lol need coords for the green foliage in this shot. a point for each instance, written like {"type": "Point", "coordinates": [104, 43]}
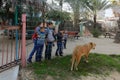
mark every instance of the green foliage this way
{"type": "Point", "coordinates": [32, 22]}
{"type": "Point", "coordinates": [4, 11]}
{"type": "Point", "coordinates": [96, 5]}
{"type": "Point", "coordinates": [58, 15]}
{"type": "Point", "coordinates": [75, 6]}
{"type": "Point", "coordinates": [59, 68]}
{"type": "Point", "coordinates": [96, 33]}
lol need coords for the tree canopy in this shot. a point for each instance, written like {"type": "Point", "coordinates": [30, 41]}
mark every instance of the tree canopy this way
{"type": "Point", "coordinates": [94, 6]}
{"type": "Point", "coordinates": [58, 15]}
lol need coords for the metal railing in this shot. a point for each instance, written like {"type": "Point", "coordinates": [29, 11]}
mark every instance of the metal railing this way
{"type": "Point", "coordinates": [13, 45]}
{"type": "Point", "coordinates": [10, 46]}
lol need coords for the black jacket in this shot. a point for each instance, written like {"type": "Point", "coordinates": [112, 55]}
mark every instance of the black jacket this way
{"type": "Point", "coordinates": [59, 37]}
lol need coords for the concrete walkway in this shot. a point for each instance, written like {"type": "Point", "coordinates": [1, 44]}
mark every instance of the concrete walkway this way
{"type": "Point", "coordinates": [103, 45]}
{"type": "Point", "coordinates": [10, 74]}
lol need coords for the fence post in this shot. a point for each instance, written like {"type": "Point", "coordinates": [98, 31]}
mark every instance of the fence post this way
{"type": "Point", "coordinates": [81, 29]}
{"type": "Point", "coordinates": [23, 40]}
{"type": "Point", "coordinates": [16, 23]}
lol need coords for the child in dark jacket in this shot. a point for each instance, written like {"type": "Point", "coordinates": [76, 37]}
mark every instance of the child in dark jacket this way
{"type": "Point", "coordinates": [59, 49]}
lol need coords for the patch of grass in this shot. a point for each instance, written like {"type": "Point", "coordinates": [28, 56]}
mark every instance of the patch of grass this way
{"type": "Point", "coordinates": [60, 66]}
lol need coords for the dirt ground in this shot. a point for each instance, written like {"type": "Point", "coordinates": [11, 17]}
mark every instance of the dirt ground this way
{"type": "Point", "coordinates": [114, 75]}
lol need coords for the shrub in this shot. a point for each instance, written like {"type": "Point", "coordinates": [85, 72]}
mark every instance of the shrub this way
{"type": "Point", "coordinates": [96, 33]}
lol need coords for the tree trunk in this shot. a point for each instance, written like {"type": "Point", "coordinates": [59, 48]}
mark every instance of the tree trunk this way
{"type": "Point", "coordinates": [76, 17]}
{"type": "Point", "coordinates": [94, 21]}
{"type": "Point", "coordinates": [117, 37]}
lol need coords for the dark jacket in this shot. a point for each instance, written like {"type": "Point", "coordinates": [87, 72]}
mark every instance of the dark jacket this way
{"type": "Point", "coordinates": [59, 37]}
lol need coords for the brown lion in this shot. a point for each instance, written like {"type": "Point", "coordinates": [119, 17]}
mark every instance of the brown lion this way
{"type": "Point", "coordinates": [79, 51]}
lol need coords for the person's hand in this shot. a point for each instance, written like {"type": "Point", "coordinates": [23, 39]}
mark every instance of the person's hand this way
{"type": "Point", "coordinates": [38, 36]}
{"type": "Point", "coordinates": [45, 43]}
{"type": "Point", "coordinates": [55, 41]}
{"type": "Point", "coordinates": [53, 44]}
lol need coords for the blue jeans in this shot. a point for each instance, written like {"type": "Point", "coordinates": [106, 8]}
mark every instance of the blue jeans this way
{"type": "Point", "coordinates": [65, 41]}
{"type": "Point", "coordinates": [37, 49]}
{"type": "Point", "coordinates": [48, 50]}
{"type": "Point", "coordinates": [39, 53]}
{"type": "Point", "coordinates": [59, 48]}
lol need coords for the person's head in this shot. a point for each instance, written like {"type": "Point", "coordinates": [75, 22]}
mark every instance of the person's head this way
{"type": "Point", "coordinates": [50, 24]}
{"type": "Point", "coordinates": [45, 24]}
{"type": "Point", "coordinates": [40, 24]}
{"type": "Point", "coordinates": [60, 31]}
{"type": "Point", "coordinates": [65, 31]}
{"type": "Point", "coordinates": [42, 29]}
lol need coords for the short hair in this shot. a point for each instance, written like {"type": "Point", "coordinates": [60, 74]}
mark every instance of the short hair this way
{"type": "Point", "coordinates": [39, 23]}
{"type": "Point", "coordinates": [49, 23]}
{"type": "Point", "coordinates": [42, 28]}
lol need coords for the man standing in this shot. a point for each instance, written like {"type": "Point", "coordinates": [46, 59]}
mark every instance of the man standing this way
{"type": "Point", "coordinates": [50, 38]}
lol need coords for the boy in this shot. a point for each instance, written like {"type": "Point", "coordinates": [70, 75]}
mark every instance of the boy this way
{"type": "Point", "coordinates": [50, 38]}
{"type": "Point", "coordinates": [36, 38]}
{"type": "Point", "coordinates": [59, 44]}
{"type": "Point", "coordinates": [65, 36]}
{"type": "Point", "coordinates": [40, 43]}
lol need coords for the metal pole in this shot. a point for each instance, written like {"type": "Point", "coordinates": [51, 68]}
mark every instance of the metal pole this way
{"type": "Point", "coordinates": [43, 13]}
{"type": "Point", "coordinates": [61, 4]}
{"type": "Point", "coordinates": [81, 29]}
{"type": "Point", "coordinates": [16, 23]}
{"type": "Point", "coordinates": [23, 40]}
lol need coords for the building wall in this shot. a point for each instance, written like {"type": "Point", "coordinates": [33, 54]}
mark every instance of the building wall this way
{"type": "Point", "coordinates": [101, 15]}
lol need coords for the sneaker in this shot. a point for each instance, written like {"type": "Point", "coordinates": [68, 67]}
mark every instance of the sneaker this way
{"type": "Point", "coordinates": [56, 55]}
{"type": "Point", "coordinates": [61, 55]}
{"type": "Point", "coordinates": [29, 61]}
